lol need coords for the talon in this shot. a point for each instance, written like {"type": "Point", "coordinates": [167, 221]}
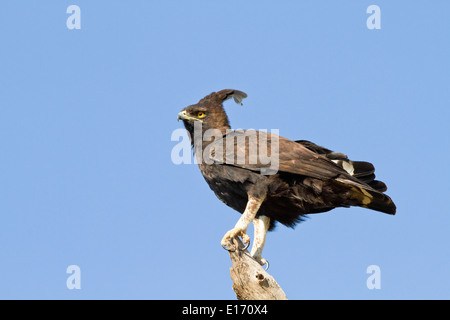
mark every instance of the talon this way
{"type": "Point", "coordinates": [233, 233]}
{"type": "Point", "coordinates": [246, 246]}
{"type": "Point", "coordinates": [228, 249]}
{"type": "Point", "coordinates": [263, 262]}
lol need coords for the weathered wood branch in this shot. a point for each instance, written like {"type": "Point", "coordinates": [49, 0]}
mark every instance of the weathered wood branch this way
{"type": "Point", "coordinates": [250, 280]}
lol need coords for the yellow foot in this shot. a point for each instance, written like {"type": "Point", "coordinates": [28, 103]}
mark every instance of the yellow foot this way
{"type": "Point", "coordinates": [233, 233]}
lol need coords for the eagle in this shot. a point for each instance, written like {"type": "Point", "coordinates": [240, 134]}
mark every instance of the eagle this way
{"type": "Point", "coordinates": [269, 178]}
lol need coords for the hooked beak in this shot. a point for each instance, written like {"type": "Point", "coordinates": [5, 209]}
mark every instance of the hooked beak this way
{"type": "Point", "coordinates": [183, 116]}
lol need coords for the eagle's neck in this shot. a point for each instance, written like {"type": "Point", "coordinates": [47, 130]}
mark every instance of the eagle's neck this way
{"type": "Point", "coordinates": [201, 136]}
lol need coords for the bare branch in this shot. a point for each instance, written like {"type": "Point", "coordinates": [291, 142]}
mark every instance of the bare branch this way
{"type": "Point", "coordinates": [250, 280]}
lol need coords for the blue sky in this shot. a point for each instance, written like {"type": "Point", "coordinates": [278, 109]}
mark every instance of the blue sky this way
{"type": "Point", "coordinates": [86, 117]}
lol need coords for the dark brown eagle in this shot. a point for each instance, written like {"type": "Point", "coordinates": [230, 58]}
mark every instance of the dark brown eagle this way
{"type": "Point", "coordinates": [268, 178]}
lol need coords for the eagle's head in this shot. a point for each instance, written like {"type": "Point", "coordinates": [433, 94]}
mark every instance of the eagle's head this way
{"type": "Point", "coordinates": [209, 112]}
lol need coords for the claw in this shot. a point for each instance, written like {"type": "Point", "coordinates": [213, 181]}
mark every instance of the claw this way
{"type": "Point", "coordinates": [266, 264]}
{"type": "Point", "coordinates": [246, 246]}
{"type": "Point", "coordinates": [233, 249]}
{"type": "Point", "coordinates": [263, 262]}
{"type": "Point", "coordinates": [233, 233]}
{"type": "Point", "coordinates": [226, 248]}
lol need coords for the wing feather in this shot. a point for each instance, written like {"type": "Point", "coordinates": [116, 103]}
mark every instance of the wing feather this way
{"type": "Point", "coordinates": [250, 149]}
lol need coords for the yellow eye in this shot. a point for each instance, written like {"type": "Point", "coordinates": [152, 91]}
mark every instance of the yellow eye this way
{"type": "Point", "coordinates": [201, 114]}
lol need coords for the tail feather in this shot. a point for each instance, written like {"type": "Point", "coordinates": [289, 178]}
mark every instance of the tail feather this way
{"type": "Point", "coordinates": [378, 185]}
{"type": "Point", "coordinates": [366, 197]}
{"type": "Point", "coordinates": [380, 202]}
{"type": "Point", "coordinates": [362, 170]}
{"type": "Point", "coordinates": [364, 191]}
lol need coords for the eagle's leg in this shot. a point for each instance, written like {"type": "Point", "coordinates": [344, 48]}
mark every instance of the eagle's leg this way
{"type": "Point", "coordinates": [261, 225]}
{"type": "Point", "coordinates": [241, 226]}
